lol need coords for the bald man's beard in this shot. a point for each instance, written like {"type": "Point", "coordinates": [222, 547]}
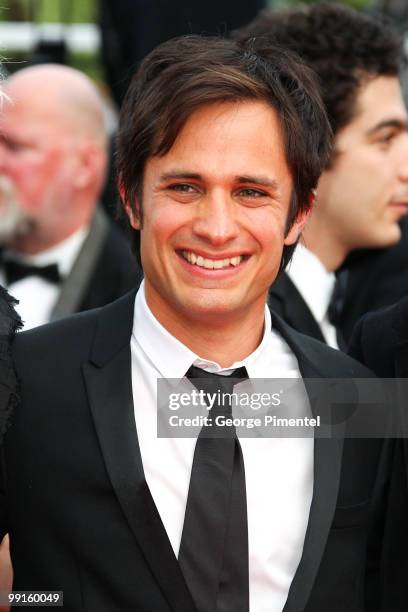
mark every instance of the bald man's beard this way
{"type": "Point", "coordinates": [13, 221]}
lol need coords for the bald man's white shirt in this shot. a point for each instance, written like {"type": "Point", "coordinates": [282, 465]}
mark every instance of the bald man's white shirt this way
{"type": "Point", "coordinates": [37, 296]}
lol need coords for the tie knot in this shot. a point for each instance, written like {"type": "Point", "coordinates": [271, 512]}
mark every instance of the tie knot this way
{"type": "Point", "coordinates": [211, 382]}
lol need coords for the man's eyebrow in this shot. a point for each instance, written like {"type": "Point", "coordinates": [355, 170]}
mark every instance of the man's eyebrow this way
{"type": "Point", "coordinates": [179, 175]}
{"type": "Point", "coordinates": [263, 181]}
{"type": "Point", "coordinates": [398, 124]}
{"type": "Point", "coordinates": [6, 140]}
{"type": "Point", "coordinates": [256, 180]}
{"type": "Point", "coordinates": [11, 139]}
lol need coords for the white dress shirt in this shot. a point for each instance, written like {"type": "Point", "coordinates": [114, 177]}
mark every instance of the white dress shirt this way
{"type": "Point", "coordinates": [279, 472]}
{"type": "Point", "coordinates": [315, 284]}
{"type": "Point", "coordinates": [38, 296]}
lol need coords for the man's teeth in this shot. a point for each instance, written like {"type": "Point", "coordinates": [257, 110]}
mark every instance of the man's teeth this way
{"type": "Point", "coordinates": [211, 264]}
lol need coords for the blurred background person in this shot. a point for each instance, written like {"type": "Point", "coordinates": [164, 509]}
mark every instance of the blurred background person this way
{"type": "Point", "coordinates": [132, 28]}
{"type": "Point", "coordinates": [376, 278]}
{"type": "Point", "coordinates": [380, 341]}
{"type": "Point", "coordinates": [363, 193]}
{"type": "Point", "coordinates": [60, 252]}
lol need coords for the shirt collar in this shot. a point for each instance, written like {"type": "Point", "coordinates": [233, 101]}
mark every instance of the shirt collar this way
{"type": "Point", "coordinates": [63, 254]}
{"type": "Point", "coordinates": [172, 358]}
{"type": "Point", "coordinates": [312, 280]}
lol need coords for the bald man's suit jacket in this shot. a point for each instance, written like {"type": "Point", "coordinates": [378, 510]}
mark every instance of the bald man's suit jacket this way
{"type": "Point", "coordinates": [75, 501]}
{"type": "Point", "coordinates": [380, 340]}
{"type": "Point", "coordinates": [104, 270]}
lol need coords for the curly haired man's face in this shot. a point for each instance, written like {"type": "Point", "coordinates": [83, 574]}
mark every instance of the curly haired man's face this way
{"type": "Point", "coordinates": [364, 194]}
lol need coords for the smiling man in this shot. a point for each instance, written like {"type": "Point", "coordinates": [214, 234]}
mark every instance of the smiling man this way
{"type": "Point", "coordinates": [215, 209]}
{"type": "Point", "coordinates": [363, 192]}
{"type": "Point", "coordinates": [216, 172]}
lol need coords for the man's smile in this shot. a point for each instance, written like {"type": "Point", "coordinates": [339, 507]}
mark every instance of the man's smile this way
{"type": "Point", "coordinates": [210, 263]}
{"type": "Point", "coordinates": [210, 266]}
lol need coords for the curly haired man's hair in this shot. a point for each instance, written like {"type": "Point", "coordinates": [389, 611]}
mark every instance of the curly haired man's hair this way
{"type": "Point", "coordinates": [343, 46]}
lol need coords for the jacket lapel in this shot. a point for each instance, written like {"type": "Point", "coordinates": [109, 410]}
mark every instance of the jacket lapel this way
{"type": "Point", "coordinates": [109, 386]}
{"type": "Point", "coordinates": [75, 285]}
{"type": "Point", "coordinates": [400, 354]}
{"type": "Point", "coordinates": [401, 360]}
{"type": "Point", "coordinates": [326, 473]}
{"type": "Point", "coordinates": [399, 338]}
{"type": "Point", "coordinates": [293, 307]}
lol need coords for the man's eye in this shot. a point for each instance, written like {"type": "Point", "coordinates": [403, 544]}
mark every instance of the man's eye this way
{"type": "Point", "coordinates": [15, 147]}
{"type": "Point", "coordinates": [9, 144]}
{"type": "Point", "coordinates": [248, 192]}
{"type": "Point", "coordinates": [182, 188]}
{"type": "Point", "coordinates": [387, 138]}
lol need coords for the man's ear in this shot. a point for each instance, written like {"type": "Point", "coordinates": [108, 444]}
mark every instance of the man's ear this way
{"type": "Point", "coordinates": [90, 164]}
{"type": "Point", "coordinates": [299, 223]}
{"type": "Point", "coordinates": [133, 215]}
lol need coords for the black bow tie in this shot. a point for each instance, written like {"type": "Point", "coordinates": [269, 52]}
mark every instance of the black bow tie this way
{"type": "Point", "coordinates": [16, 270]}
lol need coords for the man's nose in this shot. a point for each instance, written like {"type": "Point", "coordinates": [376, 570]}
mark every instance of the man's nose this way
{"type": "Point", "coordinates": [403, 164]}
{"type": "Point", "coordinates": [3, 157]}
{"type": "Point", "coordinates": [403, 173]}
{"type": "Point", "coordinates": [215, 219]}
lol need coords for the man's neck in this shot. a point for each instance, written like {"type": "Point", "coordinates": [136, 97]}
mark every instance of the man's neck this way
{"type": "Point", "coordinates": [224, 340]}
{"type": "Point", "coordinates": [38, 240]}
{"type": "Point", "coordinates": [331, 252]}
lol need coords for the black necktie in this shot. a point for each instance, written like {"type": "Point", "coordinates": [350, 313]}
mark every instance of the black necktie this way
{"type": "Point", "coordinates": [338, 298]}
{"type": "Point", "coordinates": [336, 305]}
{"type": "Point", "coordinates": [213, 552]}
{"type": "Point", "coordinates": [16, 270]}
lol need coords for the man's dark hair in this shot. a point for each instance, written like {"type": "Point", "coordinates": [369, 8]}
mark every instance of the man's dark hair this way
{"type": "Point", "coordinates": [185, 74]}
{"type": "Point", "coordinates": [345, 48]}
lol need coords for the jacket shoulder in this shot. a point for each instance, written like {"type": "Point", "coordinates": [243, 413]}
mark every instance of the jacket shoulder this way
{"type": "Point", "coordinates": [377, 335]}
{"type": "Point", "coordinates": [323, 359]}
{"type": "Point", "coordinates": [339, 363]}
{"type": "Point", "coordinates": [59, 340]}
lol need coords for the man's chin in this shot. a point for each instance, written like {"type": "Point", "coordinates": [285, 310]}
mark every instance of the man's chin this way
{"type": "Point", "coordinates": [388, 237]}
{"type": "Point", "coordinates": [211, 308]}
{"type": "Point", "coordinates": [12, 230]}
{"type": "Point", "coordinates": [13, 220]}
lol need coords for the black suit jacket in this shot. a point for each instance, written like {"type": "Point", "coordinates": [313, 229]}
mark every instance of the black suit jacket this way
{"type": "Point", "coordinates": [76, 503]}
{"type": "Point", "coordinates": [285, 299]}
{"type": "Point", "coordinates": [377, 278]}
{"type": "Point", "coordinates": [115, 273]}
{"type": "Point", "coordinates": [104, 270]}
{"type": "Point", "coordinates": [380, 340]}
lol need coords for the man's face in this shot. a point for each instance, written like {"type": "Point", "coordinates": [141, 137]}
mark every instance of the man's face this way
{"type": "Point", "coordinates": [35, 165]}
{"type": "Point", "coordinates": [13, 221]}
{"type": "Point", "coordinates": [364, 194]}
{"type": "Point", "coordinates": [214, 214]}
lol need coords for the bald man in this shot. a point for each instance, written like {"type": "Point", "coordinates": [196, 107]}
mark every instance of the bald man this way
{"type": "Point", "coordinates": [60, 253]}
